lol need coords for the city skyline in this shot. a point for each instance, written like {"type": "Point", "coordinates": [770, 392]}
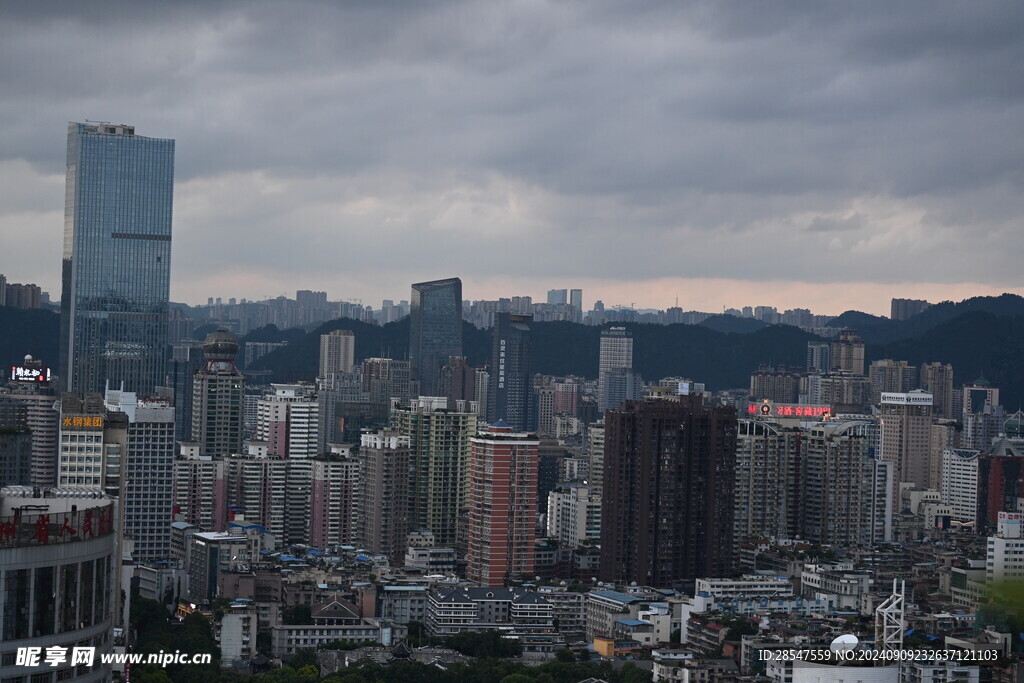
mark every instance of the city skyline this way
{"type": "Point", "coordinates": [709, 152]}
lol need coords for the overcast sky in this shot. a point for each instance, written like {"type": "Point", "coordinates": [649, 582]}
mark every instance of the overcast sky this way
{"type": "Point", "coordinates": [823, 155]}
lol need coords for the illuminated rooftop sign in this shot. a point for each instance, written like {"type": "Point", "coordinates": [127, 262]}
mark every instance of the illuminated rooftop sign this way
{"type": "Point", "coordinates": [20, 373]}
{"type": "Point", "coordinates": [789, 410]}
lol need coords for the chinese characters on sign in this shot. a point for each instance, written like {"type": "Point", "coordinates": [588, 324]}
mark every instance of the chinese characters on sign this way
{"type": "Point", "coordinates": [23, 374]}
{"type": "Point", "coordinates": [82, 421]}
{"type": "Point", "coordinates": [49, 528]}
{"type": "Point", "coordinates": [767, 409]}
{"type": "Point", "coordinates": [501, 365]}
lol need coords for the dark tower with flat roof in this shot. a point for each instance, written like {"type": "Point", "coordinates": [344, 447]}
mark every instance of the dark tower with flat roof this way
{"type": "Point", "coordinates": [668, 492]}
{"type": "Point", "coordinates": [435, 330]}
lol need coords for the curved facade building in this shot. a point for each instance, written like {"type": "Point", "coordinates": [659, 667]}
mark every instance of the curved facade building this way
{"type": "Point", "coordinates": [57, 584]}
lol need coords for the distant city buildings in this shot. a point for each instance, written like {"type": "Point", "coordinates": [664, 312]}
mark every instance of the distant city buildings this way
{"type": "Point", "coordinates": [16, 295]}
{"type": "Point", "coordinates": [903, 309]}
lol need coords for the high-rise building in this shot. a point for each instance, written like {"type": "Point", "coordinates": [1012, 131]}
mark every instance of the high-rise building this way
{"type": "Point", "coordinates": [848, 352]}
{"type": "Point", "coordinates": [200, 492]}
{"type": "Point", "coordinates": [502, 506]}
{"type": "Point", "coordinates": [88, 457]}
{"type": "Point", "coordinates": [937, 379]}
{"type": "Point", "coordinates": [889, 376]}
{"type": "Point", "coordinates": [906, 424]}
{"type": "Point", "coordinates": [1000, 478]}
{"type": "Point", "coordinates": [384, 493]}
{"type": "Point", "coordinates": [30, 386]}
{"type": "Point", "coordinates": [846, 489]}
{"type": "Point", "coordinates": [482, 389]}
{"type": "Point", "coordinates": [767, 490]}
{"type": "Point", "coordinates": [15, 444]}
{"type": "Point", "coordinates": [819, 357]}
{"type": "Point", "coordinates": [960, 485]}
{"type": "Point", "coordinates": [117, 259]}
{"type": "Point", "coordinates": [217, 391]}
{"type": "Point", "coordinates": [289, 422]}
{"type": "Point", "coordinates": [146, 487]}
{"type": "Point", "coordinates": [566, 398]}
{"type": "Point", "coordinates": [614, 384]}
{"type": "Point", "coordinates": [273, 493]}
{"type": "Point", "coordinates": [511, 388]}
{"type": "Point", "coordinates": [186, 359]}
{"type": "Point", "coordinates": [945, 435]}
{"type": "Point", "coordinates": [902, 309]}
{"type": "Point", "coordinates": [385, 380]}
{"type": "Point", "coordinates": [332, 505]}
{"type": "Point", "coordinates": [576, 299]}
{"type": "Point", "coordinates": [844, 391]}
{"type": "Point", "coordinates": [1004, 559]}
{"type": "Point", "coordinates": [558, 296]}
{"type": "Point", "coordinates": [439, 452]}
{"type": "Point", "coordinates": [595, 457]}
{"type": "Point", "coordinates": [337, 352]}
{"type": "Point", "coordinates": [544, 399]}
{"type": "Point", "coordinates": [574, 515]}
{"type": "Point", "coordinates": [668, 491]}
{"type": "Point", "coordinates": [983, 416]}
{"type": "Point", "coordinates": [776, 385]}
{"type": "Point", "coordinates": [435, 330]}
{"type": "Point", "coordinates": [58, 564]}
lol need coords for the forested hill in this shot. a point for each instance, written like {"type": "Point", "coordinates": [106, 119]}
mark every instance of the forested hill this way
{"type": "Point", "coordinates": [719, 359]}
{"type": "Point", "coordinates": [983, 336]}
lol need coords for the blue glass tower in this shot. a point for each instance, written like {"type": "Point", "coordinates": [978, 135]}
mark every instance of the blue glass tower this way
{"type": "Point", "coordinates": [510, 392]}
{"type": "Point", "coordinates": [117, 259]}
{"type": "Point", "coordinates": [435, 330]}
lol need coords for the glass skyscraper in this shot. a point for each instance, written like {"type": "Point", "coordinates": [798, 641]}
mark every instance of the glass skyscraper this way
{"type": "Point", "coordinates": [511, 388]}
{"type": "Point", "coordinates": [435, 330]}
{"type": "Point", "coordinates": [117, 259]}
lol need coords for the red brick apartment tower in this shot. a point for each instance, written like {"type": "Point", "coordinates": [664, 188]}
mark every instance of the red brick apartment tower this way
{"type": "Point", "coordinates": [502, 505]}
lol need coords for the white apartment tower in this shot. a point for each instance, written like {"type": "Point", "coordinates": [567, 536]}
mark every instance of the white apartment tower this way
{"type": "Point", "coordinates": [906, 420]}
{"type": "Point", "coordinates": [337, 352]}
{"type": "Point", "coordinates": [615, 368]}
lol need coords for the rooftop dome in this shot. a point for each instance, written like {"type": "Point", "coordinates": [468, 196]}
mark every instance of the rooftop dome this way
{"type": "Point", "coordinates": [220, 345]}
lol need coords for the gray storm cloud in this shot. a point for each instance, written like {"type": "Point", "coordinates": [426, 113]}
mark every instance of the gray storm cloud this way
{"type": "Point", "coordinates": [363, 142]}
